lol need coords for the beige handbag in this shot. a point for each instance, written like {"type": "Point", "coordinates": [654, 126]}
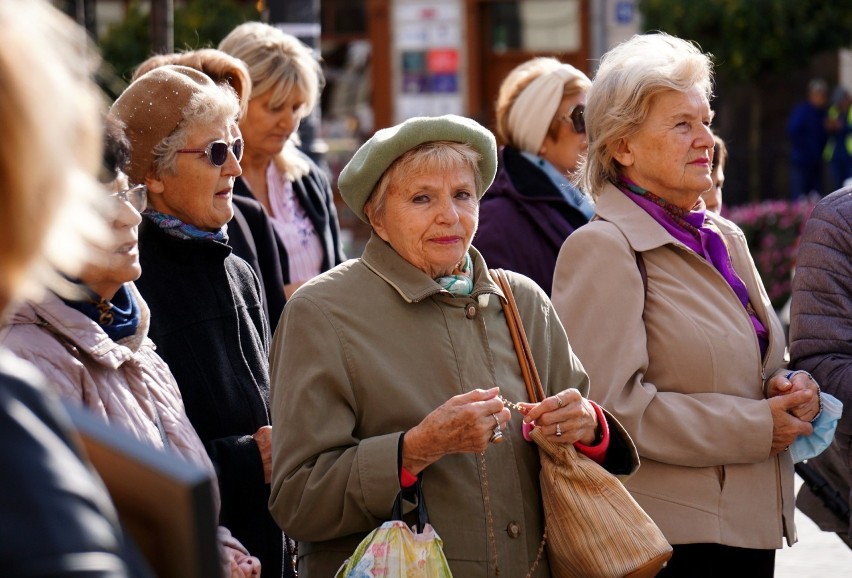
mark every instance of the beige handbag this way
{"type": "Point", "coordinates": [595, 529]}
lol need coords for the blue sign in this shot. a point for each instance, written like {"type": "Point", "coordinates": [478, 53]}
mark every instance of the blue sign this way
{"type": "Point", "coordinates": [625, 12]}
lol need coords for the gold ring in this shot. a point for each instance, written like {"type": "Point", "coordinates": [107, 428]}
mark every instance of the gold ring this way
{"type": "Point", "coordinates": [496, 437]}
{"type": "Point", "coordinates": [558, 430]}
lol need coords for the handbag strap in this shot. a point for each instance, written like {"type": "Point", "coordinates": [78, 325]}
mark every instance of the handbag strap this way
{"type": "Point", "coordinates": [519, 338]}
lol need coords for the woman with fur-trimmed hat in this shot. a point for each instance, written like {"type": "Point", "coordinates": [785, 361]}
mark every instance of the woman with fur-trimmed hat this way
{"type": "Point", "coordinates": [207, 315]}
{"type": "Point", "coordinates": [407, 368]}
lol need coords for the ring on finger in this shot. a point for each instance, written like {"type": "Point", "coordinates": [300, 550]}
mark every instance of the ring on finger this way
{"type": "Point", "coordinates": [497, 434]}
{"type": "Point", "coordinates": [558, 430]}
{"type": "Point", "coordinates": [559, 400]}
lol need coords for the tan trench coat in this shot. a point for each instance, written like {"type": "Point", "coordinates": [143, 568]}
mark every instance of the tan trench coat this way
{"type": "Point", "coordinates": [680, 368]}
{"type": "Point", "coordinates": [365, 352]}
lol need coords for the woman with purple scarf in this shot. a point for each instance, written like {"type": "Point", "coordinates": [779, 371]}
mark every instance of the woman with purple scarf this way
{"type": "Point", "coordinates": [669, 317]}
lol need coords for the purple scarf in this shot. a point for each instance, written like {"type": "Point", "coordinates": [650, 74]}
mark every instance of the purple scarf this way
{"type": "Point", "coordinates": [688, 227]}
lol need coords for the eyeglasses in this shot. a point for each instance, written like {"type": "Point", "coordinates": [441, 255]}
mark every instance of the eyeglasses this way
{"type": "Point", "coordinates": [577, 118]}
{"type": "Point", "coordinates": [217, 151]}
{"type": "Point", "coordinates": [137, 196]}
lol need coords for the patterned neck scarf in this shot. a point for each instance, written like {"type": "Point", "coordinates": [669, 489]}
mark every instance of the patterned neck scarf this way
{"type": "Point", "coordinates": [176, 228]}
{"type": "Point", "coordinates": [118, 317]}
{"type": "Point", "coordinates": [688, 227]}
{"type": "Point", "coordinates": [460, 283]}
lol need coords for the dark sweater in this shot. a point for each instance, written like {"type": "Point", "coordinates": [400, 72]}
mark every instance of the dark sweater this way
{"type": "Point", "coordinates": [208, 323]}
{"type": "Point", "coordinates": [251, 236]}
{"type": "Point", "coordinates": [524, 219]}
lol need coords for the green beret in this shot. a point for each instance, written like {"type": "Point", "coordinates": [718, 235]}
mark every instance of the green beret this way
{"type": "Point", "coordinates": [361, 174]}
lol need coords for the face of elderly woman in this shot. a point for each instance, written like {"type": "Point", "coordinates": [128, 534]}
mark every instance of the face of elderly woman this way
{"type": "Point", "coordinates": [430, 218]}
{"type": "Point", "coordinates": [564, 151]}
{"type": "Point", "coordinates": [120, 263]}
{"type": "Point", "coordinates": [670, 155]}
{"type": "Point", "coordinates": [198, 193]}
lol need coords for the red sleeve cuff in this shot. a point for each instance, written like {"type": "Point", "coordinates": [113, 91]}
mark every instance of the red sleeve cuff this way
{"type": "Point", "coordinates": [597, 452]}
{"type": "Point", "coordinates": [406, 478]}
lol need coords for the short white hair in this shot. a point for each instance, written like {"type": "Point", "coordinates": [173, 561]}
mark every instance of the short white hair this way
{"type": "Point", "coordinates": [629, 77]}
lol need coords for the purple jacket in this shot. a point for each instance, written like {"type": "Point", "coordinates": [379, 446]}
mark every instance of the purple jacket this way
{"type": "Point", "coordinates": [524, 219]}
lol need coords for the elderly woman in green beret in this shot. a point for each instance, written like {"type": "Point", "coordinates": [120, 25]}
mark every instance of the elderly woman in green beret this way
{"type": "Point", "coordinates": [398, 368]}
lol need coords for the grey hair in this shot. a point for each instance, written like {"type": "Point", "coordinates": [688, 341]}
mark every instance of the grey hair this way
{"type": "Point", "coordinates": [215, 106]}
{"type": "Point", "coordinates": [440, 156]}
{"type": "Point", "coordinates": [280, 63]}
{"type": "Point", "coordinates": [629, 77]}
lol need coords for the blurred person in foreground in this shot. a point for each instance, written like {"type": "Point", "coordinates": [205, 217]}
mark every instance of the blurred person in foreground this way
{"type": "Point", "coordinates": [207, 316]}
{"type": "Point", "coordinates": [56, 518]}
{"type": "Point", "coordinates": [94, 348]}
{"type": "Point", "coordinates": [250, 233]}
{"type": "Point", "coordinates": [713, 196]}
{"type": "Point", "coordinates": [286, 82]}
{"type": "Point", "coordinates": [408, 367]}
{"type": "Point", "coordinates": [533, 206]}
{"type": "Point", "coordinates": [821, 342]}
{"type": "Point", "coordinates": [676, 331]}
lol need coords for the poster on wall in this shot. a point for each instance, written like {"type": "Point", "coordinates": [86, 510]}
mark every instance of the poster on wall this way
{"type": "Point", "coordinates": [427, 58]}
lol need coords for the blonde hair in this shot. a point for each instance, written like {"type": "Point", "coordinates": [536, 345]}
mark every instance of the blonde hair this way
{"type": "Point", "coordinates": [519, 79]}
{"type": "Point", "coordinates": [50, 111]}
{"type": "Point", "coordinates": [437, 156]}
{"type": "Point", "coordinates": [629, 77]}
{"type": "Point", "coordinates": [221, 67]}
{"type": "Point", "coordinates": [280, 63]}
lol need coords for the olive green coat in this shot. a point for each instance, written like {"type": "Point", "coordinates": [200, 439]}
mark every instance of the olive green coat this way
{"type": "Point", "coordinates": [363, 353]}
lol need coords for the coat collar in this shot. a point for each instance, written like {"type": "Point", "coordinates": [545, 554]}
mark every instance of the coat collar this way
{"type": "Point", "coordinates": [641, 230]}
{"type": "Point", "coordinates": [74, 328]}
{"type": "Point", "coordinates": [412, 284]}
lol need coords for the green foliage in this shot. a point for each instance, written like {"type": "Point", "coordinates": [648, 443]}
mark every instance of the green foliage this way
{"type": "Point", "coordinates": [197, 24]}
{"type": "Point", "coordinates": [749, 38]}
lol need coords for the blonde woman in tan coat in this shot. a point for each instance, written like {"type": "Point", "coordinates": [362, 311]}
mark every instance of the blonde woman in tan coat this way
{"type": "Point", "coordinates": [669, 317]}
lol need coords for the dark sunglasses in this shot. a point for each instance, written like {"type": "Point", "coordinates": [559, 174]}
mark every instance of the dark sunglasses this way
{"type": "Point", "coordinates": [577, 118]}
{"type": "Point", "coordinates": [217, 151]}
{"type": "Point", "coordinates": [137, 196]}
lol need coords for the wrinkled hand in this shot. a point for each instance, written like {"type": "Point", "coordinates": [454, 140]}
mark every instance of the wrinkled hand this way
{"type": "Point", "coordinates": [577, 419]}
{"type": "Point", "coordinates": [780, 385]}
{"type": "Point", "coordinates": [463, 424]}
{"type": "Point", "coordinates": [786, 427]}
{"type": "Point", "coordinates": [263, 439]}
{"type": "Point", "coordinates": [242, 565]}
{"type": "Point", "coordinates": [234, 556]}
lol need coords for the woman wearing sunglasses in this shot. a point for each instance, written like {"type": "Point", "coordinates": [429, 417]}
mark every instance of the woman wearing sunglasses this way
{"type": "Point", "coordinates": [533, 206]}
{"type": "Point", "coordinates": [207, 315]}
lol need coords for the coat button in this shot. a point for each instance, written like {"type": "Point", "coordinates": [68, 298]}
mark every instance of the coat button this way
{"type": "Point", "coordinates": [470, 311]}
{"type": "Point", "coordinates": [513, 529]}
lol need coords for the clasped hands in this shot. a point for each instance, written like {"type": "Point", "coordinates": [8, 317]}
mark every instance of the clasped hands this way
{"type": "Point", "coordinates": [794, 402]}
{"type": "Point", "coordinates": [467, 423]}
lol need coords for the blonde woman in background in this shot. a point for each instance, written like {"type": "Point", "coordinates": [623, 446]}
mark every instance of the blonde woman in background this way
{"type": "Point", "coordinates": [286, 82]}
{"type": "Point", "coordinates": [533, 205]}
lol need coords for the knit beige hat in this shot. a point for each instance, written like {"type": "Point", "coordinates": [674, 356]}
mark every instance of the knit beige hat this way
{"type": "Point", "coordinates": [360, 176]}
{"type": "Point", "coordinates": [152, 107]}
